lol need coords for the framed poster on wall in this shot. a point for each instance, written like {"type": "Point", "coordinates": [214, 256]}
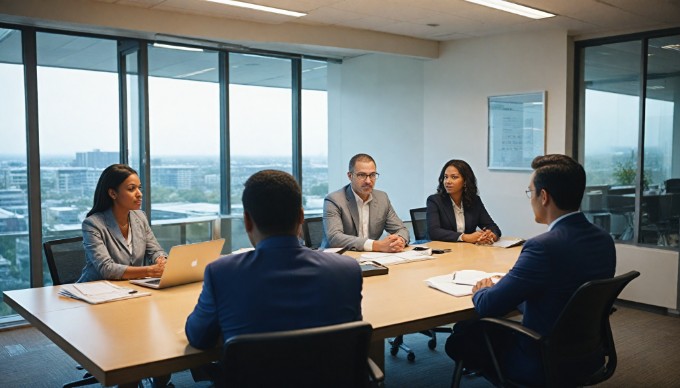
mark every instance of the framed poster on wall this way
{"type": "Point", "coordinates": [516, 130]}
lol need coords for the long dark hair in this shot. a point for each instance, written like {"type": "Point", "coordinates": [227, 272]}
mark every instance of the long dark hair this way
{"type": "Point", "coordinates": [111, 178]}
{"type": "Point", "coordinates": [469, 180]}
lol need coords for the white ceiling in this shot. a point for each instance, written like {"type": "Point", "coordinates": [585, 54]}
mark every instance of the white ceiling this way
{"type": "Point", "coordinates": [444, 20]}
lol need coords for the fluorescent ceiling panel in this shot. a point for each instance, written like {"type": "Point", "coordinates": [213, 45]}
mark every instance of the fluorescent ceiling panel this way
{"type": "Point", "coordinates": [513, 8]}
{"type": "Point", "coordinates": [259, 7]}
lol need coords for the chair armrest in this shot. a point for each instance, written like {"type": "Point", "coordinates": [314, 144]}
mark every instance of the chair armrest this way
{"type": "Point", "coordinates": [514, 326]}
{"type": "Point", "coordinates": [374, 371]}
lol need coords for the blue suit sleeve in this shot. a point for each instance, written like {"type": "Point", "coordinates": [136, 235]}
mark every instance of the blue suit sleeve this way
{"type": "Point", "coordinates": [527, 278]}
{"type": "Point", "coordinates": [202, 327]}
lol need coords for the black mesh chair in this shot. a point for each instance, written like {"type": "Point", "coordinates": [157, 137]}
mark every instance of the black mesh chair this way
{"type": "Point", "coordinates": [672, 185]}
{"type": "Point", "coordinates": [329, 356]}
{"type": "Point", "coordinates": [419, 223]}
{"type": "Point", "coordinates": [66, 259]}
{"type": "Point", "coordinates": [582, 329]}
{"type": "Point", "coordinates": [312, 229]}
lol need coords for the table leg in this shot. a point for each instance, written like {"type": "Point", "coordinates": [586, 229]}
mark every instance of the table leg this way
{"type": "Point", "coordinates": [376, 352]}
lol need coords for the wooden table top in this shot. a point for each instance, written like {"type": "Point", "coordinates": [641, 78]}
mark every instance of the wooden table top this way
{"type": "Point", "coordinates": [135, 338]}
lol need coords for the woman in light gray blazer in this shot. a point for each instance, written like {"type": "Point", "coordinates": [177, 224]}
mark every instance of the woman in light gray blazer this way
{"type": "Point", "coordinates": [117, 237]}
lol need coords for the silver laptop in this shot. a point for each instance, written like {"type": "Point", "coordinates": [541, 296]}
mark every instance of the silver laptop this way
{"type": "Point", "coordinates": [186, 264]}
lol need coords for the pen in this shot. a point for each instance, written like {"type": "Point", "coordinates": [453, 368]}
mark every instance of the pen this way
{"type": "Point", "coordinates": [132, 292]}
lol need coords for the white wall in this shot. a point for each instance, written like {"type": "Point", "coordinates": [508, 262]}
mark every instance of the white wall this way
{"type": "Point", "coordinates": [376, 107]}
{"type": "Point", "coordinates": [456, 88]}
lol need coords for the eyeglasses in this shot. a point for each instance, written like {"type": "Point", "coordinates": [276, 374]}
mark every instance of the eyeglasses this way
{"type": "Point", "coordinates": [362, 176]}
{"type": "Point", "coordinates": [528, 193]}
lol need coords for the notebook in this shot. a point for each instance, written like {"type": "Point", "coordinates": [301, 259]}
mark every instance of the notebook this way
{"type": "Point", "coordinates": [186, 264]}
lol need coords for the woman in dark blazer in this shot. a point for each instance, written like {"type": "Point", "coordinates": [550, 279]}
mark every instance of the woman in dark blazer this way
{"type": "Point", "coordinates": [456, 212]}
{"type": "Point", "coordinates": [118, 240]}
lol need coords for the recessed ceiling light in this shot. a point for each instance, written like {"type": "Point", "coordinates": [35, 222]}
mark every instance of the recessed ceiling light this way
{"type": "Point", "coordinates": [513, 8]}
{"type": "Point", "coordinates": [259, 7]}
{"type": "Point", "coordinates": [173, 47]}
{"type": "Point", "coordinates": [675, 47]}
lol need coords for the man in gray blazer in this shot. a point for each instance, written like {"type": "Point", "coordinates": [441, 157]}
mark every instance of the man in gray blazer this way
{"type": "Point", "coordinates": [356, 215]}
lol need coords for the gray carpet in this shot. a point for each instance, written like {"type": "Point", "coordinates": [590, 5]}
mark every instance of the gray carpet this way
{"type": "Point", "coordinates": [647, 345]}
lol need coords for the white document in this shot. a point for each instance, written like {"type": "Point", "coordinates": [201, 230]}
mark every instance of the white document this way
{"type": "Point", "coordinates": [333, 250]}
{"type": "Point", "coordinates": [504, 242]}
{"type": "Point", "coordinates": [396, 258]}
{"type": "Point", "coordinates": [446, 284]}
{"type": "Point", "coordinates": [460, 283]}
{"type": "Point", "coordinates": [99, 292]}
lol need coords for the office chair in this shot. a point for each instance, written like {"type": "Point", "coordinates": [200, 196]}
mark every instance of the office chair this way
{"type": "Point", "coordinates": [329, 356]}
{"type": "Point", "coordinates": [672, 185]}
{"type": "Point", "coordinates": [66, 260]}
{"type": "Point", "coordinates": [581, 330]}
{"type": "Point", "coordinates": [312, 229]}
{"type": "Point", "coordinates": [419, 223]}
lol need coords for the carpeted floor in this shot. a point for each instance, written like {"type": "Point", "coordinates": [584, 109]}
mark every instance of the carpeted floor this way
{"type": "Point", "coordinates": [647, 346]}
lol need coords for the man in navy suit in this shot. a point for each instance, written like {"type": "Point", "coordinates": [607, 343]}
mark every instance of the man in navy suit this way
{"type": "Point", "coordinates": [548, 271]}
{"type": "Point", "coordinates": [281, 285]}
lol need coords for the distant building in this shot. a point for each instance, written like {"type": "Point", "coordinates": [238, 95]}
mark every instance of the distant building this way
{"type": "Point", "coordinates": [14, 177]}
{"type": "Point", "coordinates": [11, 222]}
{"type": "Point", "coordinates": [176, 177]}
{"type": "Point", "coordinates": [175, 210]}
{"type": "Point", "coordinates": [80, 181]}
{"type": "Point", "coordinates": [62, 215]}
{"type": "Point", "coordinates": [12, 197]}
{"type": "Point", "coordinates": [96, 159]}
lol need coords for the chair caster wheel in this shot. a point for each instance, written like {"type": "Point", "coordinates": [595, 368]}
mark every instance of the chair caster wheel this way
{"type": "Point", "coordinates": [431, 344]}
{"type": "Point", "coordinates": [411, 357]}
{"type": "Point", "coordinates": [394, 351]}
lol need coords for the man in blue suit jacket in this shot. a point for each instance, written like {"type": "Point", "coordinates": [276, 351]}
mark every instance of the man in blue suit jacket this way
{"type": "Point", "coordinates": [281, 285]}
{"type": "Point", "coordinates": [548, 271]}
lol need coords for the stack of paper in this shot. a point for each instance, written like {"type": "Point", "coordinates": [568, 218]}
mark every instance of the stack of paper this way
{"type": "Point", "coordinates": [396, 258]}
{"type": "Point", "coordinates": [460, 282]}
{"type": "Point", "coordinates": [99, 292]}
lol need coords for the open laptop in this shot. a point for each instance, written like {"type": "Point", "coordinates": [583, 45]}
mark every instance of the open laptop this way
{"type": "Point", "coordinates": [186, 264]}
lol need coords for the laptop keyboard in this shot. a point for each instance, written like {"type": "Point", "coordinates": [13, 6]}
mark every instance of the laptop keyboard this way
{"type": "Point", "coordinates": [154, 281]}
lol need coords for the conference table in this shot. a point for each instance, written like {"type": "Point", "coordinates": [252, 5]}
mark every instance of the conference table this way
{"type": "Point", "coordinates": [131, 339]}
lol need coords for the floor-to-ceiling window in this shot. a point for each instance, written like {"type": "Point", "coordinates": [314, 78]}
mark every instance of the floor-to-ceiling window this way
{"type": "Point", "coordinates": [78, 121]}
{"type": "Point", "coordinates": [14, 261]}
{"type": "Point", "coordinates": [314, 134]}
{"type": "Point", "coordinates": [260, 124]}
{"type": "Point", "coordinates": [627, 117]}
{"type": "Point", "coordinates": [172, 114]}
{"type": "Point", "coordinates": [184, 139]}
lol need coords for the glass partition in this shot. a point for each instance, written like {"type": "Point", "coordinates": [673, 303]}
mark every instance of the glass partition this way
{"type": "Point", "coordinates": [637, 203]}
{"type": "Point", "coordinates": [611, 85]}
{"type": "Point", "coordinates": [660, 204]}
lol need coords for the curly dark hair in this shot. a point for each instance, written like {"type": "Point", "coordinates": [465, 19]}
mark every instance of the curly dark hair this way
{"type": "Point", "coordinates": [470, 190]}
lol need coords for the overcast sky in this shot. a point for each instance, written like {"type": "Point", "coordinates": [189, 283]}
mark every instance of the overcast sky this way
{"type": "Point", "coordinates": [78, 111]}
